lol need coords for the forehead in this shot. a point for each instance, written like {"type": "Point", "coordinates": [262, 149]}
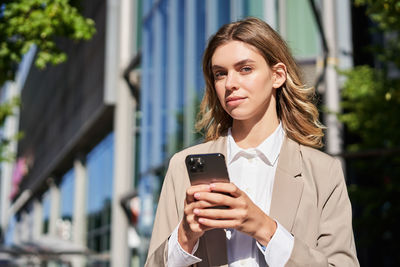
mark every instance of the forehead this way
{"type": "Point", "coordinates": [235, 51]}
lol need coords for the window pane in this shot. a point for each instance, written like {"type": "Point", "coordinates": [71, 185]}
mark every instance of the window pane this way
{"type": "Point", "coordinates": [67, 195]}
{"type": "Point", "coordinates": [301, 29]}
{"type": "Point", "coordinates": [100, 167]}
{"type": "Point", "coordinates": [46, 212]}
{"type": "Point", "coordinates": [224, 12]}
{"type": "Point", "coordinates": [254, 8]}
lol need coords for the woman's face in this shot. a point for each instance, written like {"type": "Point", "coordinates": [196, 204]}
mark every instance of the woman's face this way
{"type": "Point", "coordinates": [243, 81]}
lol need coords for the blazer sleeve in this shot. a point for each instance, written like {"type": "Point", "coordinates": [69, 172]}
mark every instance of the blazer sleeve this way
{"type": "Point", "coordinates": [166, 220]}
{"type": "Point", "coordinates": [335, 243]}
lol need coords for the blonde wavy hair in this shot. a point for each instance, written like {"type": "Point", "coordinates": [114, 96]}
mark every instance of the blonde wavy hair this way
{"type": "Point", "coordinates": [295, 102]}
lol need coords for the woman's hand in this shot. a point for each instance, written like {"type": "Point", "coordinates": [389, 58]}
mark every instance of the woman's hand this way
{"type": "Point", "coordinates": [242, 213]}
{"type": "Point", "coordinates": [190, 230]}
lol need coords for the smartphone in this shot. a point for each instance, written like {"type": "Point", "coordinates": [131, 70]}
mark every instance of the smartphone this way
{"type": "Point", "coordinates": [206, 168]}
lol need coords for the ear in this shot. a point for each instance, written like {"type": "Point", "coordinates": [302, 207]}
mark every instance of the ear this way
{"type": "Point", "coordinates": [279, 75]}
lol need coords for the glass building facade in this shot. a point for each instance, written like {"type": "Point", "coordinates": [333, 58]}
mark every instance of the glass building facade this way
{"type": "Point", "coordinates": [98, 192]}
{"type": "Point", "coordinates": [174, 36]}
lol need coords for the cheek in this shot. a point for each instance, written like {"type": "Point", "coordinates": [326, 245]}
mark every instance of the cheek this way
{"type": "Point", "coordinates": [261, 85]}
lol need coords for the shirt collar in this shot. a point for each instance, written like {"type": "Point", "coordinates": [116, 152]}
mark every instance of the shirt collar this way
{"type": "Point", "coordinates": [268, 150]}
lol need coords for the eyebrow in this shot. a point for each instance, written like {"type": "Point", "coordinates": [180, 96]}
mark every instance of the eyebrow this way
{"type": "Point", "coordinates": [242, 62]}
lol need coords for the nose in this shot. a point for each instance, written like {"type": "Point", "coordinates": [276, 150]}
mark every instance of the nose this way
{"type": "Point", "coordinates": [231, 82]}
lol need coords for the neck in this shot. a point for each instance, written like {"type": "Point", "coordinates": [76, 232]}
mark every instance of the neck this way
{"type": "Point", "coordinates": [250, 133]}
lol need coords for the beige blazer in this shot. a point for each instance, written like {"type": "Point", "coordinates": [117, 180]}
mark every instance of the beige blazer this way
{"type": "Point", "coordinates": [309, 199]}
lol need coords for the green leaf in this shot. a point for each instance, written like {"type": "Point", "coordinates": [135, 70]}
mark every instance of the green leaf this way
{"type": "Point", "coordinates": [27, 22]}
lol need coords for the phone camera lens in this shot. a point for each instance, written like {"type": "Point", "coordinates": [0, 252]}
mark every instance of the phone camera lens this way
{"type": "Point", "coordinates": [200, 164]}
{"type": "Point", "coordinates": [191, 161]}
{"type": "Point", "coordinates": [193, 168]}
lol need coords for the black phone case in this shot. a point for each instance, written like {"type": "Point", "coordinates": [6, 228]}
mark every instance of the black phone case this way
{"type": "Point", "coordinates": [206, 168]}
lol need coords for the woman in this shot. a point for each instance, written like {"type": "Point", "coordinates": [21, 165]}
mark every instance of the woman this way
{"type": "Point", "coordinates": [288, 203]}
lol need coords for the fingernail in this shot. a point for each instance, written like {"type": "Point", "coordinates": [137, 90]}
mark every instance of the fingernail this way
{"type": "Point", "coordinates": [196, 211]}
{"type": "Point", "coordinates": [196, 195]}
{"type": "Point", "coordinates": [212, 186]}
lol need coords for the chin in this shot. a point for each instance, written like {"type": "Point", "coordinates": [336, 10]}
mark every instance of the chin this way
{"type": "Point", "coordinates": [239, 117]}
{"type": "Point", "coordinates": [240, 114]}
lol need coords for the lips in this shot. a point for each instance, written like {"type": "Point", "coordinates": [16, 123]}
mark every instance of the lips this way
{"type": "Point", "coordinates": [234, 100]}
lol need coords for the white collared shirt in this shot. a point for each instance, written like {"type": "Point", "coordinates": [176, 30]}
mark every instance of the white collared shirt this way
{"type": "Point", "coordinates": [253, 171]}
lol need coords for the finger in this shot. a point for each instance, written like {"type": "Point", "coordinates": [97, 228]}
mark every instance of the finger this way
{"type": "Point", "coordinates": [211, 223]}
{"type": "Point", "coordinates": [203, 204]}
{"type": "Point", "coordinates": [192, 225]}
{"type": "Point", "coordinates": [196, 188]}
{"type": "Point", "coordinates": [198, 228]}
{"type": "Point", "coordinates": [217, 214]}
{"type": "Point", "coordinates": [229, 188]}
{"type": "Point", "coordinates": [217, 199]}
{"type": "Point", "coordinates": [200, 204]}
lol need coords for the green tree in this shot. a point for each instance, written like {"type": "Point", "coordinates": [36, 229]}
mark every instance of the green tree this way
{"type": "Point", "coordinates": [371, 101]}
{"type": "Point", "coordinates": [24, 23]}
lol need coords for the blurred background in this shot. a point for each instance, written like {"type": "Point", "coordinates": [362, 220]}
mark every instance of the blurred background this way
{"type": "Point", "coordinates": [97, 95]}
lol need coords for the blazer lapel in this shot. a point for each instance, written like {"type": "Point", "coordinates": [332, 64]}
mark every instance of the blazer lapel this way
{"type": "Point", "coordinates": [288, 185]}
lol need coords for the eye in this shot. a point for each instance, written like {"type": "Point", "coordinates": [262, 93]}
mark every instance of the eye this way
{"type": "Point", "coordinates": [219, 74]}
{"type": "Point", "coordinates": [245, 69]}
